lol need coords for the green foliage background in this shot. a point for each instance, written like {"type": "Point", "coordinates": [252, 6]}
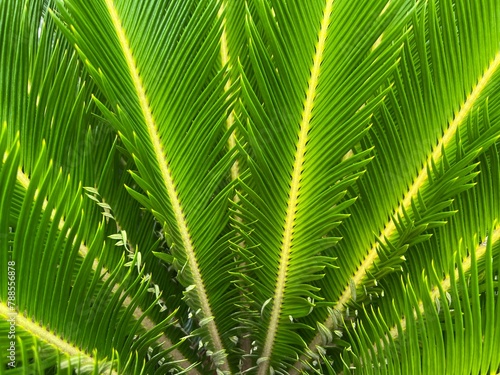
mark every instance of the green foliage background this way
{"type": "Point", "coordinates": [249, 186]}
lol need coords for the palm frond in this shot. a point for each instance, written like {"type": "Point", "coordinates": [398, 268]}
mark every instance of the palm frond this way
{"type": "Point", "coordinates": [302, 88]}
{"type": "Point", "coordinates": [173, 126]}
{"type": "Point", "coordinates": [50, 91]}
{"type": "Point", "coordinates": [413, 210]}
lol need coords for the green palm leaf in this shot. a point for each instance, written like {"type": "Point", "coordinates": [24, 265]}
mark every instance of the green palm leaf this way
{"type": "Point", "coordinates": [301, 88]}
{"type": "Point", "coordinates": [156, 115]}
{"type": "Point", "coordinates": [425, 201]}
{"type": "Point", "coordinates": [51, 91]}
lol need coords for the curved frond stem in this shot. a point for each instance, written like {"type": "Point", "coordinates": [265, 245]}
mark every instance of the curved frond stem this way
{"type": "Point", "coordinates": [421, 179]}
{"type": "Point", "coordinates": [438, 304]}
{"type": "Point", "coordinates": [45, 335]}
{"type": "Point", "coordinates": [166, 176]}
{"type": "Point", "coordinates": [165, 342]}
{"type": "Point", "coordinates": [294, 188]}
